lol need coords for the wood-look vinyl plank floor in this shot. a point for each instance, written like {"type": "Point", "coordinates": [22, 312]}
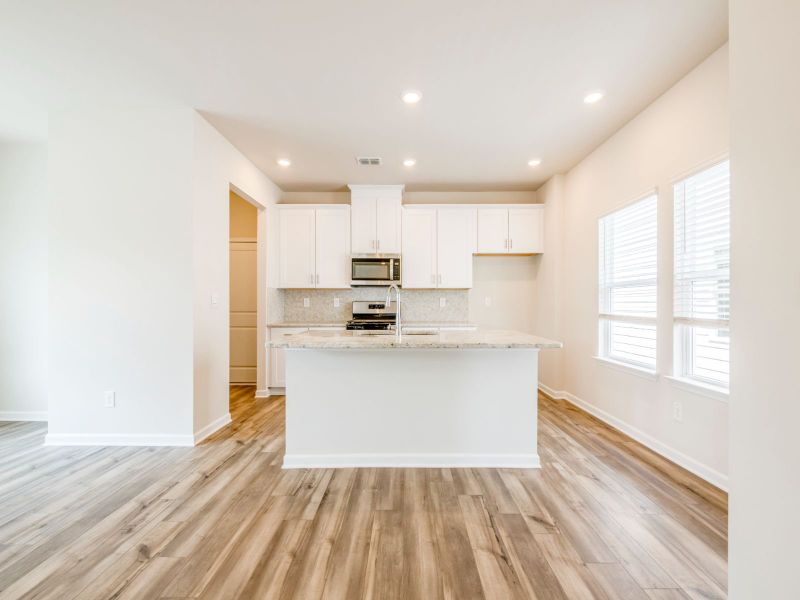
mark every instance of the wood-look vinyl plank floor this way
{"type": "Point", "coordinates": [603, 518]}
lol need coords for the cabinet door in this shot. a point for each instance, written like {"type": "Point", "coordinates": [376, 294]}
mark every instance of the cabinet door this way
{"type": "Point", "coordinates": [418, 269]}
{"type": "Point", "coordinates": [332, 248]}
{"type": "Point", "coordinates": [526, 230]}
{"type": "Point", "coordinates": [454, 244]}
{"type": "Point", "coordinates": [277, 363]}
{"type": "Point", "coordinates": [492, 230]}
{"type": "Point", "coordinates": [362, 226]}
{"type": "Point", "coordinates": [388, 211]}
{"type": "Point", "coordinates": [296, 254]}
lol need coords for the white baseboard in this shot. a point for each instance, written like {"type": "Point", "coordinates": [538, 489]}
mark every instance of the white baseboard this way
{"type": "Point", "coordinates": [212, 427]}
{"type": "Point", "coordinates": [23, 415]}
{"type": "Point", "coordinates": [342, 461]}
{"type": "Point", "coordinates": [263, 393]}
{"type": "Point", "coordinates": [705, 472]}
{"type": "Point", "coordinates": [111, 439]}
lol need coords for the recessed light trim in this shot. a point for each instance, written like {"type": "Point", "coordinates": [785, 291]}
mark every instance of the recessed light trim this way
{"type": "Point", "coordinates": [409, 162]}
{"type": "Point", "coordinates": [593, 97]}
{"type": "Point", "coordinates": [284, 162]}
{"type": "Point", "coordinates": [534, 162]}
{"type": "Point", "coordinates": [412, 96]}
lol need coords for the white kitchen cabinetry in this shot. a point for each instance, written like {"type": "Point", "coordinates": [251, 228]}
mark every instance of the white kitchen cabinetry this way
{"type": "Point", "coordinates": [375, 218]}
{"type": "Point", "coordinates": [437, 247]}
{"type": "Point", "coordinates": [517, 230]}
{"type": "Point", "coordinates": [314, 249]}
{"type": "Point", "coordinates": [277, 363]}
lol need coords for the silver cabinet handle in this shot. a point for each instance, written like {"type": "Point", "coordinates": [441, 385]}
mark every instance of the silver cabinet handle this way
{"type": "Point", "coordinates": [511, 243]}
{"type": "Point", "coordinates": [312, 279]}
{"type": "Point", "coordinates": [378, 244]}
{"type": "Point", "coordinates": [505, 243]}
{"type": "Point", "coordinates": [317, 278]}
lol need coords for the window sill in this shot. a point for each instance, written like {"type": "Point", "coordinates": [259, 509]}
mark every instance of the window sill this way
{"type": "Point", "coordinates": [696, 387]}
{"type": "Point", "coordinates": [626, 368]}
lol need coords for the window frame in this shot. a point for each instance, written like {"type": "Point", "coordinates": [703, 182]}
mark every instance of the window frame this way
{"type": "Point", "coordinates": [605, 319]}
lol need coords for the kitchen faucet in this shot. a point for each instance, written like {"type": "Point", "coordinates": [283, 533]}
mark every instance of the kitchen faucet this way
{"type": "Point", "coordinates": [399, 324]}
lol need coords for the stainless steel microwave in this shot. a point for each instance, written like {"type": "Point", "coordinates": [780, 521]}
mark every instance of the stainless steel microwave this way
{"type": "Point", "coordinates": [371, 269]}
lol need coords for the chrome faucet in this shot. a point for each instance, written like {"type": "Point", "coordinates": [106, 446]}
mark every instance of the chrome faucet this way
{"type": "Point", "coordinates": [399, 325]}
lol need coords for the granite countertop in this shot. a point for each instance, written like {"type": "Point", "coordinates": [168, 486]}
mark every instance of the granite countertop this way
{"type": "Point", "coordinates": [481, 338]}
{"type": "Point", "coordinates": [414, 324]}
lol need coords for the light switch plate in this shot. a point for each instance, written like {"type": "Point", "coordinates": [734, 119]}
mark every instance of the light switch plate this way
{"type": "Point", "coordinates": [442, 302]}
{"type": "Point", "coordinates": [109, 399]}
{"type": "Point", "coordinates": [487, 301]}
{"type": "Point", "coordinates": [677, 411]}
{"type": "Point", "coordinates": [306, 302]}
{"type": "Point", "coordinates": [214, 300]}
{"type": "Point", "coordinates": [336, 303]}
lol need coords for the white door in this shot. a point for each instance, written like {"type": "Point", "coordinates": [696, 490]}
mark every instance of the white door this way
{"type": "Point", "coordinates": [526, 230]}
{"type": "Point", "coordinates": [454, 244]}
{"type": "Point", "coordinates": [277, 358]}
{"type": "Point", "coordinates": [387, 213]}
{"type": "Point", "coordinates": [492, 230]}
{"type": "Point", "coordinates": [418, 269]}
{"type": "Point", "coordinates": [243, 332]}
{"type": "Point", "coordinates": [362, 226]}
{"type": "Point", "coordinates": [296, 248]}
{"type": "Point", "coordinates": [332, 248]}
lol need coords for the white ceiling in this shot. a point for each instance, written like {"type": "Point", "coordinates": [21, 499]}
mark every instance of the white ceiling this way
{"type": "Point", "coordinates": [319, 81]}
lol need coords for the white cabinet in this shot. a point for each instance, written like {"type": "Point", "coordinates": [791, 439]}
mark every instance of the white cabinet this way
{"type": "Point", "coordinates": [314, 248]}
{"type": "Point", "coordinates": [518, 230]}
{"type": "Point", "coordinates": [296, 247]}
{"type": "Point", "coordinates": [277, 363]}
{"type": "Point", "coordinates": [418, 268]}
{"type": "Point", "coordinates": [332, 257]}
{"type": "Point", "coordinates": [437, 247]}
{"type": "Point", "coordinates": [375, 218]}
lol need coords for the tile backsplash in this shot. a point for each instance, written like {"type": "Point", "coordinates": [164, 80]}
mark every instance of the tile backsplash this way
{"type": "Point", "coordinates": [415, 305]}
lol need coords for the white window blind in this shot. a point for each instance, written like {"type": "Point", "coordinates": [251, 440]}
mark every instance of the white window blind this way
{"type": "Point", "coordinates": [702, 275]}
{"type": "Point", "coordinates": [628, 270]}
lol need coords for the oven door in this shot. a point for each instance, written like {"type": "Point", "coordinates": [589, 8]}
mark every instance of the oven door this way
{"type": "Point", "coordinates": [372, 271]}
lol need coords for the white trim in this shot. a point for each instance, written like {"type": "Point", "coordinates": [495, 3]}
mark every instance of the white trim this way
{"type": "Point", "coordinates": [212, 427]}
{"type": "Point", "coordinates": [697, 387]}
{"type": "Point", "coordinates": [114, 439]}
{"type": "Point", "coordinates": [627, 368]}
{"type": "Point", "coordinates": [263, 393]}
{"type": "Point", "coordinates": [434, 460]}
{"type": "Point", "coordinates": [23, 415]}
{"type": "Point", "coordinates": [277, 391]}
{"type": "Point", "coordinates": [705, 472]}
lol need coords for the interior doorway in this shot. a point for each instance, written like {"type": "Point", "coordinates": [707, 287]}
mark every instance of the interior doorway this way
{"type": "Point", "coordinates": [243, 291]}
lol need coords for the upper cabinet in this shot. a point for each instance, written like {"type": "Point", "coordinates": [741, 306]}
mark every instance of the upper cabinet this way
{"type": "Point", "coordinates": [518, 230]}
{"type": "Point", "coordinates": [375, 218]}
{"type": "Point", "coordinates": [437, 247]}
{"type": "Point", "coordinates": [314, 246]}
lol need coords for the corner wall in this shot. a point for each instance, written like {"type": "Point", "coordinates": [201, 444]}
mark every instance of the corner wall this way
{"type": "Point", "coordinates": [683, 129]}
{"type": "Point", "coordinates": [23, 281]}
{"type": "Point", "coordinates": [765, 297]}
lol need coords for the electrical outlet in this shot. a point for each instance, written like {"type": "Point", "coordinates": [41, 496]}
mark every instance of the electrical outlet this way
{"type": "Point", "coordinates": [109, 399]}
{"type": "Point", "coordinates": [677, 411]}
{"type": "Point", "coordinates": [487, 301]}
{"type": "Point", "coordinates": [306, 302]}
{"type": "Point", "coordinates": [442, 302]}
{"type": "Point", "coordinates": [336, 303]}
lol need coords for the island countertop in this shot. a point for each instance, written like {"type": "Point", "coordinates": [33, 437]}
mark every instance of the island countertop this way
{"type": "Point", "coordinates": [349, 340]}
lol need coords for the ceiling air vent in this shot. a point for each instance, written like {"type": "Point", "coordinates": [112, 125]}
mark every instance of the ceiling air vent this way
{"type": "Point", "coordinates": [369, 161]}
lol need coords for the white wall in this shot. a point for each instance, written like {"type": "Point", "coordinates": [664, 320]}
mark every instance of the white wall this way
{"type": "Point", "coordinates": [138, 227]}
{"type": "Point", "coordinates": [218, 165]}
{"type": "Point", "coordinates": [765, 296]}
{"type": "Point", "coordinates": [510, 283]}
{"type": "Point", "coordinates": [681, 130]}
{"type": "Point", "coordinates": [23, 282]}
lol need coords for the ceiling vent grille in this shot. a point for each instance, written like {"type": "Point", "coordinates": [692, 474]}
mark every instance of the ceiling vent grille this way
{"type": "Point", "coordinates": [368, 161]}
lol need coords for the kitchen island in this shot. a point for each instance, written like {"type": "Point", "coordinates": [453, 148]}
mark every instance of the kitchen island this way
{"type": "Point", "coordinates": [448, 399]}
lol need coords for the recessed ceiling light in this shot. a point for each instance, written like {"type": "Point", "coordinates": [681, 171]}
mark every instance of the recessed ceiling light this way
{"type": "Point", "coordinates": [593, 97]}
{"type": "Point", "coordinates": [412, 97]}
{"type": "Point", "coordinates": [534, 162]}
{"type": "Point", "coordinates": [409, 162]}
{"type": "Point", "coordinates": [284, 162]}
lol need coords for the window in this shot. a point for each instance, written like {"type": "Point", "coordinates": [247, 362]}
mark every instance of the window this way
{"type": "Point", "coordinates": [702, 276]}
{"type": "Point", "coordinates": [628, 270]}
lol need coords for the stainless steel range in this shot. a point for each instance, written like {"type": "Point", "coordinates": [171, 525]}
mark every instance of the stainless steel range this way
{"type": "Point", "coordinates": [374, 315]}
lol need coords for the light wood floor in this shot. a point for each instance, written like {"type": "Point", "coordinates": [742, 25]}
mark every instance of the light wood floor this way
{"type": "Point", "coordinates": [603, 518]}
